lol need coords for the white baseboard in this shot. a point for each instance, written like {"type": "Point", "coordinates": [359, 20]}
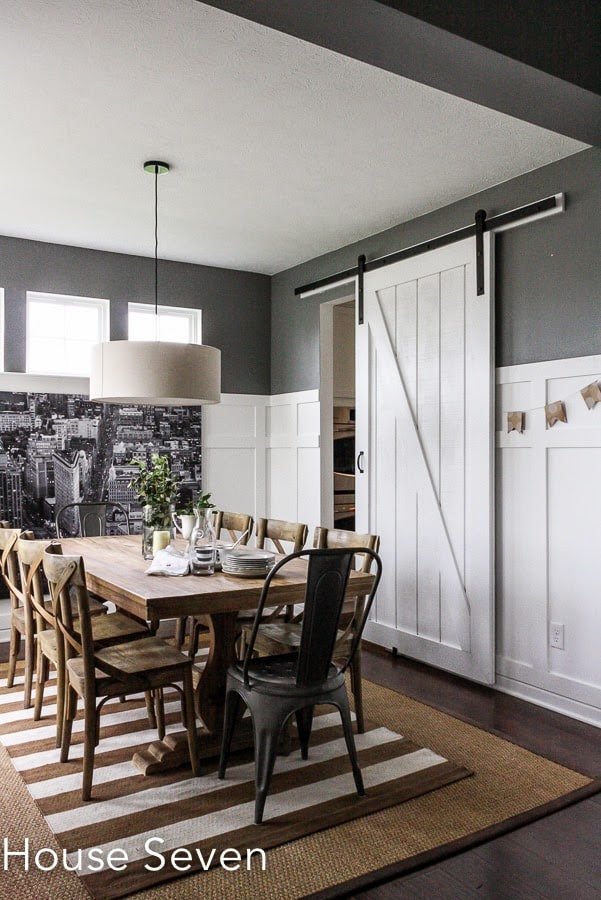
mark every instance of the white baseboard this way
{"type": "Point", "coordinates": [563, 705]}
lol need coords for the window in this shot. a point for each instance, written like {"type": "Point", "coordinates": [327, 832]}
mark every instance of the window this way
{"type": "Point", "coordinates": [61, 332]}
{"type": "Point", "coordinates": [181, 326]}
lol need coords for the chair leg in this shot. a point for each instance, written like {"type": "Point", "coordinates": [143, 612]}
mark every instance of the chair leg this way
{"type": "Point", "coordinates": [61, 678]}
{"type": "Point", "coordinates": [267, 735]}
{"type": "Point", "coordinates": [241, 645]}
{"type": "Point", "coordinates": [29, 666]}
{"type": "Point", "coordinates": [233, 702]}
{"type": "Point", "coordinates": [152, 719]}
{"type": "Point", "coordinates": [70, 713]}
{"type": "Point", "coordinates": [191, 721]}
{"type": "Point", "coordinates": [182, 701]}
{"type": "Point", "coordinates": [304, 722]}
{"type": "Point", "coordinates": [340, 699]}
{"type": "Point", "coordinates": [357, 685]}
{"type": "Point", "coordinates": [41, 679]}
{"type": "Point", "coordinates": [160, 713]}
{"type": "Point", "coordinates": [180, 631]}
{"type": "Point", "coordinates": [194, 638]}
{"type": "Point", "coordinates": [89, 747]}
{"type": "Point", "coordinates": [15, 646]}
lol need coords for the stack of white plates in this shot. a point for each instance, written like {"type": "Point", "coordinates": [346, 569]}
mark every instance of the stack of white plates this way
{"type": "Point", "coordinates": [248, 563]}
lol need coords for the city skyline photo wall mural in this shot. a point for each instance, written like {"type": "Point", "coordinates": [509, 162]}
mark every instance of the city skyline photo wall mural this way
{"type": "Point", "coordinates": [62, 448]}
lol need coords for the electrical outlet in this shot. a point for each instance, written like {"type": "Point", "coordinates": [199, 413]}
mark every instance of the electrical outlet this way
{"type": "Point", "coordinates": [557, 635]}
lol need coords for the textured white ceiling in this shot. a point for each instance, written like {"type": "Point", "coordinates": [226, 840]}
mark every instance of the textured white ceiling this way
{"type": "Point", "coordinates": [281, 150]}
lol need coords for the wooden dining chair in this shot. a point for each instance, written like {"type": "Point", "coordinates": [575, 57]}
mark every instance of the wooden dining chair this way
{"type": "Point", "coordinates": [107, 628]}
{"type": "Point", "coordinates": [276, 687]}
{"type": "Point", "coordinates": [22, 619]}
{"type": "Point", "coordinates": [284, 637]}
{"type": "Point", "coordinates": [97, 673]}
{"type": "Point", "coordinates": [276, 533]}
{"type": "Point", "coordinates": [237, 526]}
{"type": "Point", "coordinates": [273, 534]}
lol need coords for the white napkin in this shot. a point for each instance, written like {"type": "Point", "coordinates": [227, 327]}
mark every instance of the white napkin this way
{"type": "Point", "coordinates": [169, 562]}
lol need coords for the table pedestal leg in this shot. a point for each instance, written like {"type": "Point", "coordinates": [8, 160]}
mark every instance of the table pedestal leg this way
{"type": "Point", "coordinates": [172, 752]}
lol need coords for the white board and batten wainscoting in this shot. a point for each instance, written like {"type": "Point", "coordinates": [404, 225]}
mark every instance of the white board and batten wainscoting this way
{"type": "Point", "coordinates": [548, 537]}
{"type": "Point", "coordinates": [548, 521]}
{"type": "Point", "coordinates": [548, 524]}
{"type": "Point", "coordinates": [261, 455]}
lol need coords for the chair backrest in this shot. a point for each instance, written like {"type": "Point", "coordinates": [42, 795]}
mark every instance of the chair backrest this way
{"type": "Point", "coordinates": [31, 556]}
{"type": "Point", "coordinates": [276, 531]}
{"type": "Point", "coordinates": [89, 519]}
{"type": "Point", "coordinates": [9, 565]}
{"type": "Point", "coordinates": [66, 577]}
{"type": "Point", "coordinates": [234, 524]}
{"type": "Point", "coordinates": [338, 538]}
{"type": "Point", "coordinates": [327, 576]}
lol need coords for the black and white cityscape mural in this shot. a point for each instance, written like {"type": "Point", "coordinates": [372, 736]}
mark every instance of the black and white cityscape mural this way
{"type": "Point", "coordinates": [62, 448]}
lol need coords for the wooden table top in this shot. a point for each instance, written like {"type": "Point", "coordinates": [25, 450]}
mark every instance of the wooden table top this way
{"type": "Point", "coordinates": [115, 570]}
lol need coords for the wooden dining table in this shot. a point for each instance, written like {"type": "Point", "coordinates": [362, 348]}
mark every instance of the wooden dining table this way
{"type": "Point", "coordinates": [116, 572]}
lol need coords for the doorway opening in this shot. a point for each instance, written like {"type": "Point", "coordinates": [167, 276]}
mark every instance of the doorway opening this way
{"type": "Point", "coordinates": [337, 410]}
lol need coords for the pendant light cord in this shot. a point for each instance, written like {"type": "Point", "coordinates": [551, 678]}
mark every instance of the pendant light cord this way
{"type": "Point", "coordinates": [156, 240]}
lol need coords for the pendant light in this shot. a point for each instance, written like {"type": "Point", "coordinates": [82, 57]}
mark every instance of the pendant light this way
{"type": "Point", "coordinates": [155, 373]}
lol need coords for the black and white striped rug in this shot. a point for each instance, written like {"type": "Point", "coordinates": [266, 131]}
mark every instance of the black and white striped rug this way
{"type": "Point", "coordinates": [147, 817]}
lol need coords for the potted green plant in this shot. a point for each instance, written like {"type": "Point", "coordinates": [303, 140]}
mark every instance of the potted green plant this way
{"type": "Point", "coordinates": [157, 488]}
{"type": "Point", "coordinates": [202, 501]}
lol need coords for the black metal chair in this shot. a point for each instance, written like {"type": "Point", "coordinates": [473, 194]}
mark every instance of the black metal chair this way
{"type": "Point", "coordinates": [89, 519]}
{"type": "Point", "coordinates": [275, 687]}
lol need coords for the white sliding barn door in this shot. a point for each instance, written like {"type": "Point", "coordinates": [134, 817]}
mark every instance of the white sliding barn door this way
{"type": "Point", "coordinates": [425, 383]}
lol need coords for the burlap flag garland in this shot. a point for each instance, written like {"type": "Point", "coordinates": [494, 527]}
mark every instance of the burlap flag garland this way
{"type": "Point", "coordinates": [591, 394]}
{"type": "Point", "coordinates": [516, 421]}
{"type": "Point", "coordinates": [555, 412]}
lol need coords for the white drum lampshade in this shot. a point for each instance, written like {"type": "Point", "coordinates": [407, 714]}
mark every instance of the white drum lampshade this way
{"type": "Point", "coordinates": [155, 373]}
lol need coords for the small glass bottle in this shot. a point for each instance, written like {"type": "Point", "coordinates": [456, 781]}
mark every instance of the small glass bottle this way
{"type": "Point", "coordinates": [202, 545]}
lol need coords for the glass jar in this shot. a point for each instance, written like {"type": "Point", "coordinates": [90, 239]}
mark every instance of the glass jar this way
{"type": "Point", "coordinates": [202, 544]}
{"type": "Point", "coordinates": [157, 529]}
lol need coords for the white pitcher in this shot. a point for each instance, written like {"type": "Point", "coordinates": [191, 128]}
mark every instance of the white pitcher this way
{"type": "Point", "coordinates": [186, 525]}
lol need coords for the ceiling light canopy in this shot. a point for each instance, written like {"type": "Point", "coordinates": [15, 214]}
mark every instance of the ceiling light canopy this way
{"type": "Point", "coordinates": [155, 373]}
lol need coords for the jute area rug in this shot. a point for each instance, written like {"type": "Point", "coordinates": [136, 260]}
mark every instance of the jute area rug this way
{"type": "Point", "coordinates": [420, 800]}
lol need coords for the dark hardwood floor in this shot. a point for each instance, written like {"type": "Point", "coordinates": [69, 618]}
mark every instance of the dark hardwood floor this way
{"type": "Point", "coordinates": [558, 856]}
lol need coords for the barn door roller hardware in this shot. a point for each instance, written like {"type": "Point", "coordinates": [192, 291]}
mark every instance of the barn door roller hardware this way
{"type": "Point", "coordinates": [501, 222]}
{"type": "Point", "coordinates": [480, 223]}
{"type": "Point", "coordinates": [360, 272]}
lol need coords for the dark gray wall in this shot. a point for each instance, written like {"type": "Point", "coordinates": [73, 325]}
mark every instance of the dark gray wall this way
{"type": "Point", "coordinates": [548, 274]}
{"type": "Point", "coordinates": [235, 305]}
{"type": "Point", "coordinates": [383, 35]}
{"type": "Point", "coordinates": [561, 37]}
{"type": "Point", "coordinates": [548, 285]}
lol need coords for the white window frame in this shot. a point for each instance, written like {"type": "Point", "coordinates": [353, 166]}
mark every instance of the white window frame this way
{"type": "Point", "coordinates": [2, 314]}
{"type": "Point", "coordinates": [102, 305]}
{"type": "Point", "coordinates": [194, 317]}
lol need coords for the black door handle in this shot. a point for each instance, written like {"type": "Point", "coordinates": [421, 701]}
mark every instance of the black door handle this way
{"type": "Point", "coordinates": [359, 458]}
